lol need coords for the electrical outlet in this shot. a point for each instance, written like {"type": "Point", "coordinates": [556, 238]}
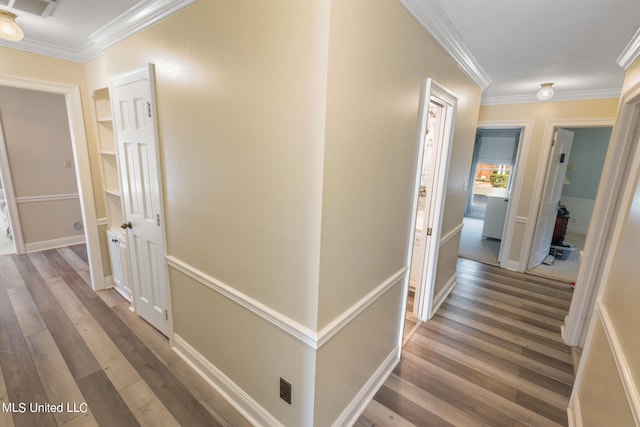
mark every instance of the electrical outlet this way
{"type": "Point", "coordinates": [285, 390]}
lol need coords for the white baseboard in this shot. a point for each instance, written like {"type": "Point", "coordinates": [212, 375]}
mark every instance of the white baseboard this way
{"type": "Point", "coordinates": [573, 412]}
{"type": "Point", "coordinates": [444, 293]}
{"type": "Point", "coordinates": [353, 410]}
{"type": "Point", "coordinates": [54, 243]}
{"type": "Point", "coordinates": [108, 282]}
{"type": "Point", "coordinates": [248, 407]}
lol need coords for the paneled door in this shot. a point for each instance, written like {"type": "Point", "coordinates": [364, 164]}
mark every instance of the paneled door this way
{"type": "Point", "coordinates": [562, 142]}
{"type": "Point", "coordinates": [135, 126]}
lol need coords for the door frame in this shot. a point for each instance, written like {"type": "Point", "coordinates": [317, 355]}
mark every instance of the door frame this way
{"type": "Point", "coordinates": [541, 175]}
{"type": "Point", "coordinates": [618, 162]}
{"type": "Point", "coordinates": [10, 195]}
{"type": "Point", "coordinates": [424, 294]}
{"type": "Point", "coordinates": [80, 149]}
{"type": "Point", "coordinates": [512, 218]}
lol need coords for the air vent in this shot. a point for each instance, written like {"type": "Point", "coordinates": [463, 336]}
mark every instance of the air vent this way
{"type": "Point", "coordinates": [37, 7]}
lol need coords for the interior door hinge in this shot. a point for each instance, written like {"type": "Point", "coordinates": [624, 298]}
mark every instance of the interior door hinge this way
{"type": "Point", "coordinates": [429, 231]}
{"type": "Point", "coordinates": [166, 315]}
{"type": "Point", "coordinates": [158, 220]}
{"type": "Point", "coordinates": [149, 108]}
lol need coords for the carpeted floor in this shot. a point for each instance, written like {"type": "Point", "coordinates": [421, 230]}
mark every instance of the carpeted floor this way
{"type": "Point", "coordinates": [473, 246]}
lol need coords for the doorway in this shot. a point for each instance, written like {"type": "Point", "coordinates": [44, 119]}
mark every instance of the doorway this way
{"type": "Point", "coordinates": [80, 160]}
{"type": "Point", "coordinates": [557, 250]}
{"type": "Point", "coordinates": [436, 121]}
{"type": "Point", "coordinates": [491, 180]}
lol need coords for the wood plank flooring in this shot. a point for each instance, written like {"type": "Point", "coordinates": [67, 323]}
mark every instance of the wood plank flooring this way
{"type": "Point", "coordinates": [62, 343]}
{"type": "Point", "coordinates": [491, 356]}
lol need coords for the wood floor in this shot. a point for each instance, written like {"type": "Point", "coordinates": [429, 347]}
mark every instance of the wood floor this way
{"type": "Point", "coordinates": [491, 356]}
{"type": "Point", "coordinates": [61, 343]}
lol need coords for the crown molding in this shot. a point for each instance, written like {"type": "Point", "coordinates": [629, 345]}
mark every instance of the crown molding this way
{"type": "Point", "coordinates": [85, 53]}
{"type": "Point", "coordinates": [631, 52]}
{"type": "Point", "coordinates": [558, 96]}
{"type": "Point", "coordinates": [132, 21]}
{"type": "Point", "coordinates": [137, 19]}
{"type": "Point", "coordinates": [433, 19]}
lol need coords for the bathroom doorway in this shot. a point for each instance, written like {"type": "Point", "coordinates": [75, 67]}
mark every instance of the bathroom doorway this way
{"type": "Point", "coordinates": [437, 114]}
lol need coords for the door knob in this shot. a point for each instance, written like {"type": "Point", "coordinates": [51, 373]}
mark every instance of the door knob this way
{"type": "Point", "coordinates": [126, 225]}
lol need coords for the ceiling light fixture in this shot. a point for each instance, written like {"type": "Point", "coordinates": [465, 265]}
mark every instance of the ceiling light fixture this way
{"type": "Point", "coordinates": [9, 30]}
{"type": "Point", "coordinates": [546, 92]}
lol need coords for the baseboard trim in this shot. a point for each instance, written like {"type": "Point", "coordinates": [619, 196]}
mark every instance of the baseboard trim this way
{"type": "Point", "coordinates": [626, 375]}
{"type": "Point", "coordinates": [237, 397]}
{"type": "Point", "coordinates": [444, 293]}
{"type": "Point", "coordinates": [54, 243]}
{"type": "Point", "coordinates": [353, 410]}
{"type": "Point", "coordinates": [288, 325]}
{"type": "Point", "coordinates": [573, 412]}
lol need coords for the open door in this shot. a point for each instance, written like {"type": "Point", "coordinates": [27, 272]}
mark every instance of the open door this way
{"type": "Point", "coordinates": [556, 171]}
{"type": "Point", "coordinates": [437, 116]}
{"type": "Point", "coordinates": [134, 114]}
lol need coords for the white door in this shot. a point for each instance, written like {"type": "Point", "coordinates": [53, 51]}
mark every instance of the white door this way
{"type": "Point", "coordinates": [135, 130]}
{"type": "Point", "coordinates": [436, 135]}
{"type": "Point", "coordinates": [563, 139]}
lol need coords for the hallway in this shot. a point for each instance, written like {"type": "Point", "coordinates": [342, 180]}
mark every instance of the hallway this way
{"type": "Point", "coordinates": [492, 355]}
{"type": "Point", "coordinates": [64, 344]}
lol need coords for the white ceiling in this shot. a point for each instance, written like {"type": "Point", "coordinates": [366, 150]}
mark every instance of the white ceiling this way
{"type": "Point", "coordinates": [509, 47]}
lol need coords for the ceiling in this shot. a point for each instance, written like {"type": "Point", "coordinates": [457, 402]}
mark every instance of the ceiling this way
{"type": "Point", "coordinates": [509, 47]}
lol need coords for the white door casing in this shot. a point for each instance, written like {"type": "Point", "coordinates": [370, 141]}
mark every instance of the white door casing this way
{"type": "Point", "coordinates": [551, 194]}
{"type": "Point", "coordinates": [435, 133]}
{"type": "Point", "coordinates": [135, 126]}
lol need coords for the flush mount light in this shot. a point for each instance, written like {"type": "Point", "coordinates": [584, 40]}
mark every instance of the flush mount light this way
{"type": "Point", "coordinates": [546, 92]}
{"type": "Point", "coordinates": [9, 30]}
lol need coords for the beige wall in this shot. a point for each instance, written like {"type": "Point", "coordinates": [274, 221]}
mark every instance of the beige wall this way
{"type": "Point", "coordinates": [378, 57]}
{"type": "Point", "coordinates": [540, 113]}
{"type": "Point", "coordinates": [250, 177]}
{"type": "Point", "coordinates": [611, 355]}
{"type": "Point", "coordinates": [38, 142]}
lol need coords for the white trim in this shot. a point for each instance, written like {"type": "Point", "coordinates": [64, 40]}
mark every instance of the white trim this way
{"type": "Point", "coordinates": [352, 312]}
{"type": "Point", "coordinates": [451, 234]}
{"type": "Point", "coordinates": [54, 243]}
{"type": "Point", "coordinates": [232, 393]}
{"type": "Point", "coordinates": [81, 161]}
{"type": "Point", "coordinates": [84, 53]}
{"type": "Point", "coordinates": [630, 53]}
{"type": "Point", "coordinates": [443, 294]}
{"type": "Point", "coordinates": [353, 410]}
{"type": "Point", "coordinates": [574, 413]}
{"type": "Point", "coordinates": [626, 376]}
{"type": "Point", "coordinates": [511, 217]}
{"type": "Point", "coordinates": [434, 20]}
{"type": "Point", "coordinates": [47, 198]}
{"type": "Point", "coordinates": [10, 195]}
{"type": "Point", "coordinates": [101, 222]}
{"type": "Point", "coordinates": [138, 18]}
{"type": "Point", "coordinates": [578, 95]}
{"type": "Point", "coordinates": [288, 325]}
{"type": "Point", "coordinates": [272, 316]}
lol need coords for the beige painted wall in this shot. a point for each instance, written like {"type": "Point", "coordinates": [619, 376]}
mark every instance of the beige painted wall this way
{"type": "Point", "coordinates": [599, 393]}
{"type": "Point", "coordinates": [240, 99]}
{"type": "Point", "coordinates": [249, 178]}
{"type": "Point", "coordinates": [541, 113]}
{"type": "Point", "coordinates": [378, 57]}
{"type": "Point", "coordinates": [38, 142]}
